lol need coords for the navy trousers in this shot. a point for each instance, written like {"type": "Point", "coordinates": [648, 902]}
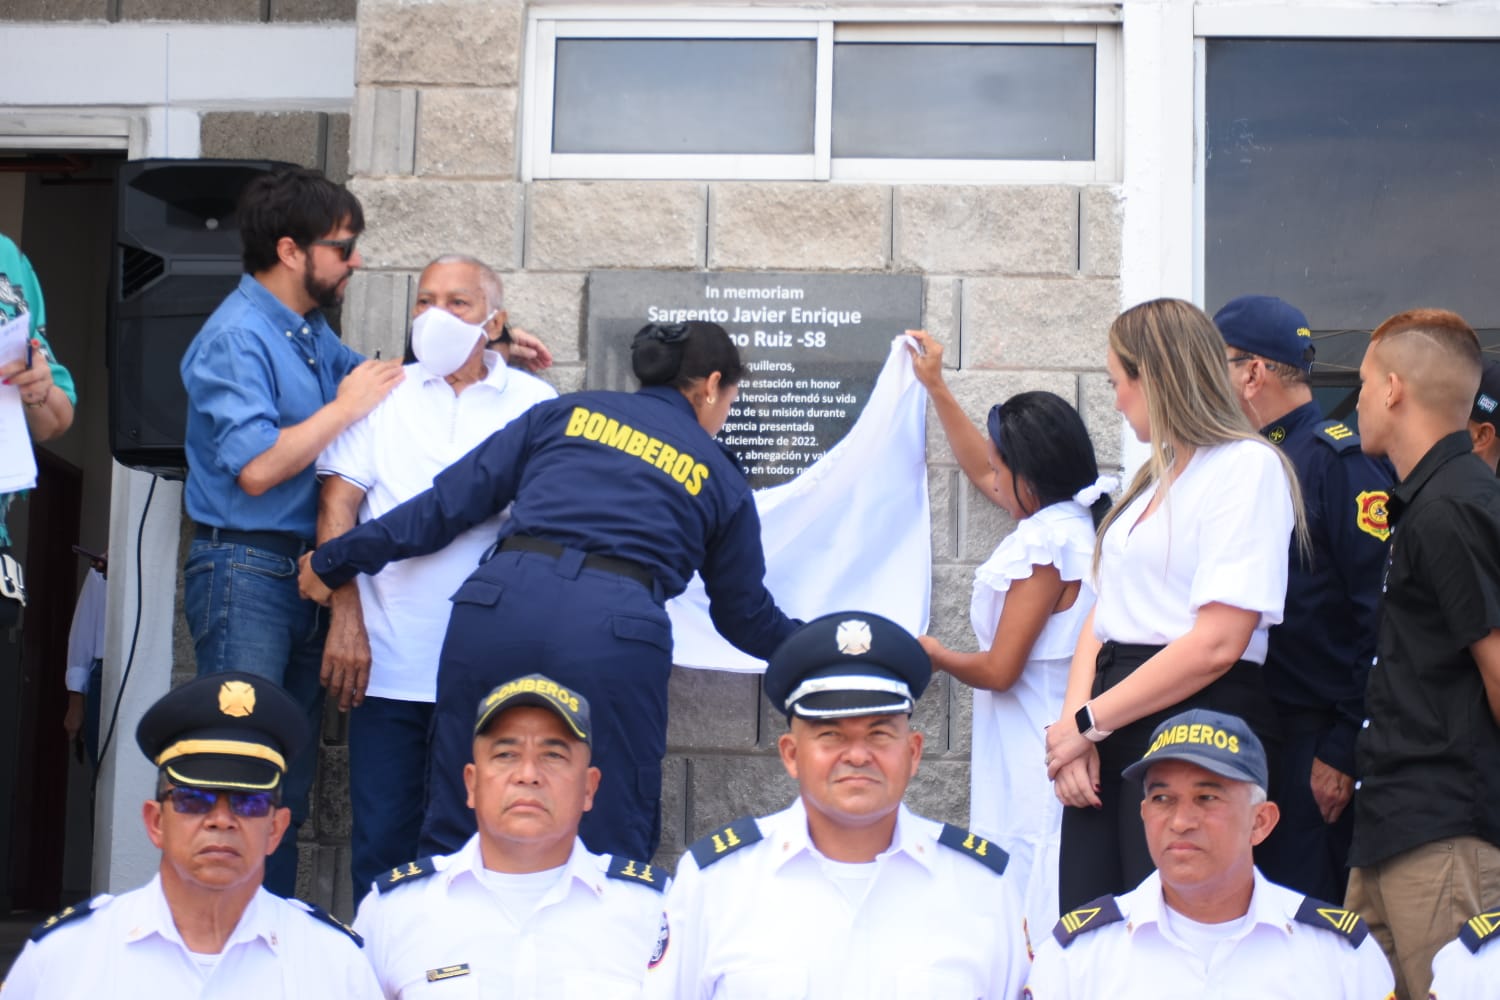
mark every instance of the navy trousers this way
{"type": "Point", "coordinates": [387, 785]}
{"type": "Point", "coordinates": [604, 636]}
{"type": "Point", "coordinates": [1303, 852]}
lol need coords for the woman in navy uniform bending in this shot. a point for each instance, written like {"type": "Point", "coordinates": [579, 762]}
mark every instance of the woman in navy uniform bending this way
{"type": "Point", "coordinates": [616, 499]}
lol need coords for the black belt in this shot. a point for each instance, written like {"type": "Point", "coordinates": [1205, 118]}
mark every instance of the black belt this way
{"type": "Point", "coordinates": [279, 542]}
{"type": "Point", "coordinates": [609, 564]}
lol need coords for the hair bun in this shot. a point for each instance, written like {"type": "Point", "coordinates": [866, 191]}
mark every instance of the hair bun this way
{"type": "Point", "coordinates": [674, 333]}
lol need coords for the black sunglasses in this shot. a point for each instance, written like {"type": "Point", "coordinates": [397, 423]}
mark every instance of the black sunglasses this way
{"type": "Point", "coordinates": [197, 802]}
{"type": "Point", "coordinates": [345, 247]}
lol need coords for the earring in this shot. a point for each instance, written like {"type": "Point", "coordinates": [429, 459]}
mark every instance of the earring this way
{"type": "Point", "coordinates": [712, 400]}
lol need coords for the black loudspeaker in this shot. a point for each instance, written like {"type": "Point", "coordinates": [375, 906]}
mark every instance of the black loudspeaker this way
{"type": "Point", "coordinates": [176, 255]}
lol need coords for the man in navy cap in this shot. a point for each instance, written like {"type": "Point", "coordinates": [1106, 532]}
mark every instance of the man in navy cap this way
{"type": "Point", "coordinates": [846, 892]}
{"type": "Point", "coordinates": [1319, 656]}
{"type": "Point", "coordinates": [1484, 419]}
{"type": "Point", "coordinates": [204, 926]}
{"type": "Point", "coordinates": [1206, 921]}
{"type": "Point", "coordinates": [523, 910]}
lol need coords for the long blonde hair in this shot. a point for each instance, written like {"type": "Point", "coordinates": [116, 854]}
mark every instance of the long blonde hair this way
{"type": "Point", "coordinates": [1176, 352]}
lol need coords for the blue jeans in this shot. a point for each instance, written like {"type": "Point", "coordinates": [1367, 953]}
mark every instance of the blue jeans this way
{"type": "Point", "coordinates": [245, 614]}
{"type": "Point", "coordinates": [387, 785]}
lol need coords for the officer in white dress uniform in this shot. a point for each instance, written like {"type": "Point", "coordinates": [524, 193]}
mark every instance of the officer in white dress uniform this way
{"type": "Point", "coordinates": [845, 893]}
{"type": "Point", "coordinates": [1468, 967]}
{"type": "Point", "coordinates": [204, 927]}
{"type": "Point", "coordinates": [1206, 922]}
{"type": "Point", "coordinates": [523, 909]}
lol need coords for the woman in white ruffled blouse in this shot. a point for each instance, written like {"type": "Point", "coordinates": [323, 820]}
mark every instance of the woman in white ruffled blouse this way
{"type": "Point", "coordinates": [1030, 600]}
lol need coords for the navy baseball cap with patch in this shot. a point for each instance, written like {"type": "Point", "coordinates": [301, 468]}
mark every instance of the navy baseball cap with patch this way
{"type": "Point", "coordinates": [1215, 741]}
{"type": "Point", "coordinates": [1487, 400]}
{"type": "Point", "coordinates": [543, 692]}
{"type": "Point", "coordinates": [1270, 327]}
{"type": "Point", "coordinates": [845, 664]}
{"type": "Point", "coordinates": [233, 731]}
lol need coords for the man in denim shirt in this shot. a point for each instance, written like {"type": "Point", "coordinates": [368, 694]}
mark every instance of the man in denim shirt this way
{"type": "Point", "coordinates": [269, 386]}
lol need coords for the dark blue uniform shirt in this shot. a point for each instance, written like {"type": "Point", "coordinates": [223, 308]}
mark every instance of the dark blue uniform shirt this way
{"type": "Point", "coordinates": [1318, 659]}
{"type": "Point", "coordinates": [628, 475]}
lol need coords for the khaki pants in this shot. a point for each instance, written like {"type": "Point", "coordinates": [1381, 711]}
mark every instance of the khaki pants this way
{"type": "Point", "coordinates": [1417, 901]}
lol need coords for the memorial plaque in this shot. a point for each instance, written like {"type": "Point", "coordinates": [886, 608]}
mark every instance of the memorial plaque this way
{"type": "Point", "coordinates": [813, 345]}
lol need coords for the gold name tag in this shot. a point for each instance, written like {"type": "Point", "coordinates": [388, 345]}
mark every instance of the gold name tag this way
{"type": "Point", "coordinates": [447, 972]}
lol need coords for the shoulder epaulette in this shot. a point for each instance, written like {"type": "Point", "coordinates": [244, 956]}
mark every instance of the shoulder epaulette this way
{"type": "Point", "coordinates": [401, 874]}
{"type": "Point", "coordinates": [314, 910]}
{"type": "Point", "coordinates": [981, 850]}
{"type": "Point", "coordinates": [1089, 917]}
{"type": "Point", "coordinates": [1479, 929]}
{"type": "Point", "coordinates": [1337, 435]}
{"type": "Point", "coordinates": [721, 843]}
{"type": "Point", "coordinates": [1333, 918]}
{"type": "Point", "coordinates": [67, 915]}
{"type": "Point", "coordinates": [639, 872]}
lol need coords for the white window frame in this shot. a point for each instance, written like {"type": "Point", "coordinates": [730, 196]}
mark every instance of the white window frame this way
{"type": "Point", "coordinates": [1064, 23]}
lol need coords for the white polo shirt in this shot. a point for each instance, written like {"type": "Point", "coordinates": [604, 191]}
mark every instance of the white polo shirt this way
{"type": "Point", "coordinates": [1220, 536]}
{"type": "Point", "coordinates": [129, 946]}
{"type": "Point", "coordinates": [393, 454]}
{"type": "Point", "coordinates": [1271, 954]}
{"type": "Point", "coordinates": [448, 935]}
{"type": "Point", "coordinates": [775, 918]}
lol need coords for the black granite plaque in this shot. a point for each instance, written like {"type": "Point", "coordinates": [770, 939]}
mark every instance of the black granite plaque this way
{"type": "Point", "coordinates": [814, 345]}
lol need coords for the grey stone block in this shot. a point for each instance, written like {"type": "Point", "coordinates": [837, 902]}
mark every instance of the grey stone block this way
{"type": "Point", "coordinates": [343, 887]}
{"type": "Point", "coordinates": [941, 298]}
{"type": "Point", "coordinates": [376, 309]}
{"type": "Point", "coordinates": [336, 148]}
{"type": "Point", "coordinates": [952, 585]}
{"type": "Point", "coordinates": [722, 789]}
{"type": "Point", "coordinates": [1101, 418]}
{"type": "Point", "coordinates": [292, 136]}
{"type": "Point", "coordinates": [564, 378]}
{"type": "Point", "coordinates": [942, 500]}
{"type": "Point", "coordinates": [984, 229]}
{"type": "Point", "coordinates": [462, 42]}
{"type": "Point", "coordinates": [54, 10]}
{"type": "Point", "coordinates": [940, 791]}
{"type": "Point", "coordinates": [409, 222]}
{"type": "Point", "coordinates": [961, 714]}
{"type": "Point", "coordinates": [712, 710]}
{"type": "Point", "coordinates": [576, 225]}
{"type": "Point", "coordinates": [810, 226]}
{"type": "Point", "coordinates": [1045, 323]}
{"type": "Point", "coordinates": [772, 721]}
{"type": "Point", "coordinates": [931, 716]}
{"type": "Point", "coordinates": [981, 525]}
{"type": "Point", "coordinates": [383, 137]}
{"type": "Point", "coordinates": [467, 132]}
{"type": "Point", "coordinates": [549, 305]}
{"type": "Point", "coordinates": [328, 860]}
{"type": "Point", "coordinates": [307, 870]}
{"type": "Point", "coordinates": [1100, 217]}
{"type": "Point", "coordinates": [334, 812]}
{"type": "Point", "coordinates": [190, 10]}
{"type": "Point", "coordinates": [312, 10]}
{"type": "Point", "coordinates": [674, 798]}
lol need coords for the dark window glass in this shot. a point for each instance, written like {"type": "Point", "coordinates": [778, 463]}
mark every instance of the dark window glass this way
{"type": "Point", "coordinates": [948, 101]}
{"type": "Point", "coordinates": [1355, 179]}
{"type": "Point", "coordinates": [684, 95]}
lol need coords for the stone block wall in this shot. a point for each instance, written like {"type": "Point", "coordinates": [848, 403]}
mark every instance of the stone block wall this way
{"type": "Point", "coordinates": [1021, 283]}
{"type": "Point", "coordinates": [198, 11]}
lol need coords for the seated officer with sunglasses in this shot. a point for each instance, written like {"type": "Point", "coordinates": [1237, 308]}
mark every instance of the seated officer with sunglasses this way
{"type": "Point", "coordinates": [204, 927]}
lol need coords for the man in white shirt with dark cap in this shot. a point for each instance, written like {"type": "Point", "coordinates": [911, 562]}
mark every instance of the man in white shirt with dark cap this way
{"type": "Point", "coordinates": [1206, 922]}
{"type": "Point", "coordinates": [846, 893]}
{"type": "Point", "coordinates": [523, 910]}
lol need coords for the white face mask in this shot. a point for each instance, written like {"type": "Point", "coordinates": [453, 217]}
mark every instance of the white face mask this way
{"type": "Point", "coordinates": [442, 342]}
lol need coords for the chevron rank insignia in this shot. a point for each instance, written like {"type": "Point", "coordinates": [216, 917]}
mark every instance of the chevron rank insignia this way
{"type": "Point", "coordinates": [313, 910]}
{"type": "Point", "coordinates": [1333, 918]}
{"type": "Point", "coordinates": [638, 872]}
{"type": "Point", "coordinates": [66, 916]}
{"type": "Point", "coordinates": [1478, 930]}
{"type": "Point", "coordinates": [1338, 436]}
{"type": "Point", "coordinates": [1088, 917]}
{"type": "Point", "coordinates": [722, 843]}
{"type": "Point", "coordinates": [981, 850]}
{"type": "Point", "coordinates": [401, 874]}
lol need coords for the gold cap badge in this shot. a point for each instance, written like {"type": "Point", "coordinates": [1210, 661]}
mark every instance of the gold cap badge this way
{"type": "Point", "coordinates": [236, 699]}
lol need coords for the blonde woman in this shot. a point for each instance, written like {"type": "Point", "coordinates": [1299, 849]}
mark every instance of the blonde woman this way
{"type": "Point", "coordinates": [1190, 570]}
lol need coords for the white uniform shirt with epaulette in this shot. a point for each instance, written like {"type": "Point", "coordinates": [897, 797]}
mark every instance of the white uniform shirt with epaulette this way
{"type": "Point", "coordinates": [434, 928]}
{"type": "Point", "coordinates": [756, 912]}
{"type": "Point", "coordinates": [1469, 967]}
{"type": "Point", "coordinates": [129, 946]}
{"type": "Point", "coordinates": [1289, 945]}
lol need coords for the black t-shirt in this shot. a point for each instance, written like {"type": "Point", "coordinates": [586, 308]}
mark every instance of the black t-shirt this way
{"type": "Point", "coordinates": [1429, 753]}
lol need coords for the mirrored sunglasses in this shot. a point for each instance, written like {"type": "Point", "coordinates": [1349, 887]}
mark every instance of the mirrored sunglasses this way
{"type": "Point", "coordinates": [197, 802]}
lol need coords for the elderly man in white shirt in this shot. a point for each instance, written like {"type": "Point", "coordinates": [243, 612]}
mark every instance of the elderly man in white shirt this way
{"type": "Point", "coordinates": [386, 630]}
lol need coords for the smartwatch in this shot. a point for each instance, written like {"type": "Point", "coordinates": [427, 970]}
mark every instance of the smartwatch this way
{"type": "Point", "coordinates": [1084, 720]}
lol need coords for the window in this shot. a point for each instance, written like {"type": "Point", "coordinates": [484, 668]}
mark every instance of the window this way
{"type": "Point", "coordinates": [810, 99]}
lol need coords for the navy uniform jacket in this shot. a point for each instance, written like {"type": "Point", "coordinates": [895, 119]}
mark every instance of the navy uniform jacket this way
{"type": "Point", "coordinates": [1319, 656]}
{"type": "Point", "coordinates": [628, 475]}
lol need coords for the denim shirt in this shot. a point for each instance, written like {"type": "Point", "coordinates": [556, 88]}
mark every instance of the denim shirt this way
{"type": "Point", "coordinates": [256, 367]}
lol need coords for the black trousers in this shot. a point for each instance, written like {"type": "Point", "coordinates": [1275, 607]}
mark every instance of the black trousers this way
{"type": "Point", "coordinates": [1104, 850]}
